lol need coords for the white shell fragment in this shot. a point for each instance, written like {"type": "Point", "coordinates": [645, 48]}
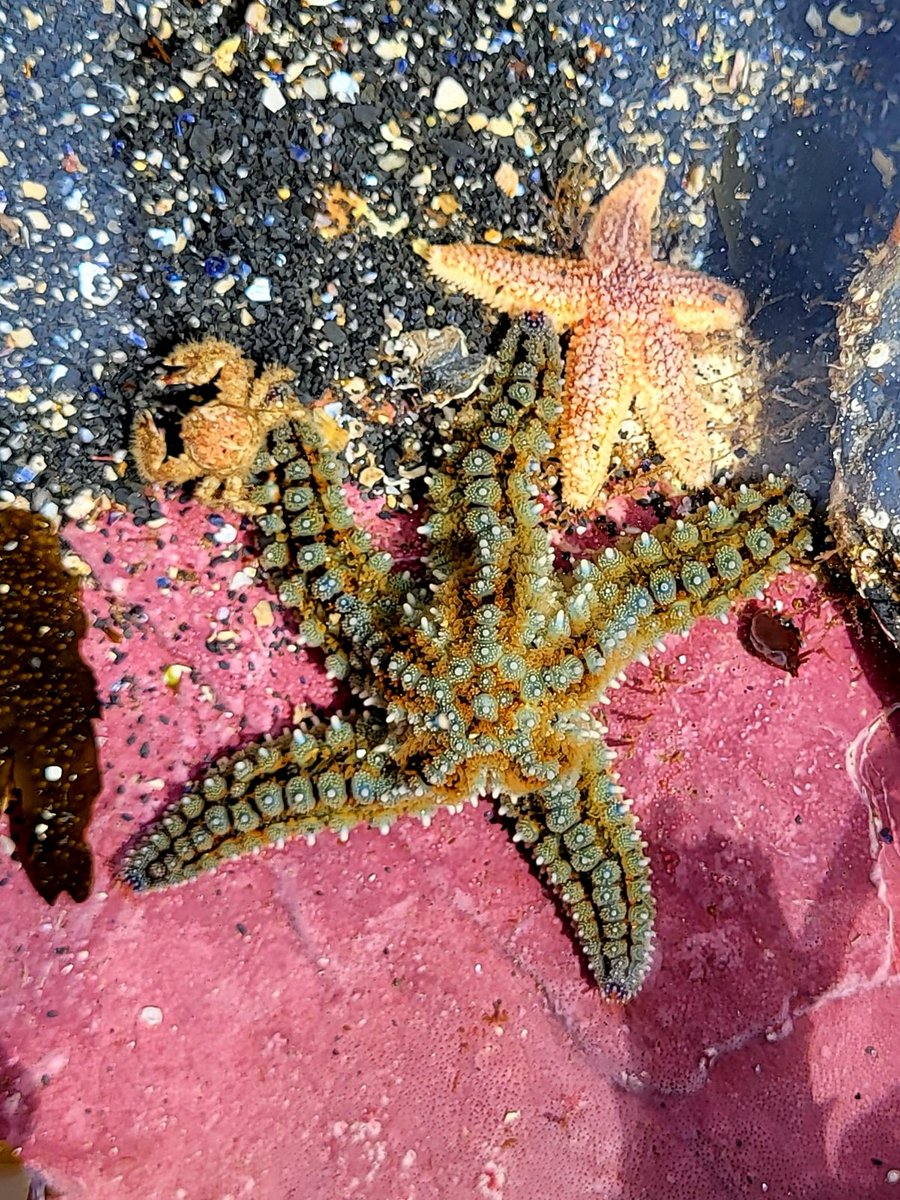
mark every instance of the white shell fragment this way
{"type": "Point", "coordinates": [96, 285]}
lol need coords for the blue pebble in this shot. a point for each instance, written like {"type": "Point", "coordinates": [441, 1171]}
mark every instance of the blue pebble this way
{"type": "Point", "coordinates": [299, 154]}
{"type": "Point", "coordinates": [216, 266]}
{"type": "Point", "coordinates": [23, 475]}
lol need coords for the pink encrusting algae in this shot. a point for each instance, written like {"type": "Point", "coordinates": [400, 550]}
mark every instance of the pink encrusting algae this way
{"type": "Point", "coordinates": [402, 1016]}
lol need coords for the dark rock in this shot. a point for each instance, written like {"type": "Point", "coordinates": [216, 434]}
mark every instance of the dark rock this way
{"type": "Point", "coordinates": [865, 498]}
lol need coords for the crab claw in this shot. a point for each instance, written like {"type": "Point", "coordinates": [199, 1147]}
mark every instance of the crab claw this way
{"type": "Point", "coordinates": [148, 446]}
{"type": "Point", "coordinates": [198, 362]}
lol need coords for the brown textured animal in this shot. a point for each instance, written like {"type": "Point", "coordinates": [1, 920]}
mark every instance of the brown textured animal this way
{"type": "Point", "coordinates": [223, 437]}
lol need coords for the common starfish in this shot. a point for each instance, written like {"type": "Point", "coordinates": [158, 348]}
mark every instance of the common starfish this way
{"type": "Point", "coordinates": [223, 437]}
{"type": "Point", "coordinates": [480, 677]}
{"type": "Point", "coordinates": [631, 317]}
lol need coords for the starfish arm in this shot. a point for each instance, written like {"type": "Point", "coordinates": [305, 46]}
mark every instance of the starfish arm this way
{"type": "Point", "coordinates": [698, 303]}
{"type": "Point", "coordinates": [650, 586]}
{"type": "Point", "coordinates": [620, 228]}
{"type": "Point", "coordinates": [585, 842]}
{"type": "Point", "coordinates": [325, 566]}
{"type": "Point", "coordinates": [485, 522]}
{"type": "Point", "coordinates": [330, 777]}
{"type": "Point", "coordinates": [495, 597]}
{"type": "Point", "coordinates": [598, 394]}
{"type": "Point", "coordinates": [513, 283]}
{"type": "Point", "coordinates": [668, 400]}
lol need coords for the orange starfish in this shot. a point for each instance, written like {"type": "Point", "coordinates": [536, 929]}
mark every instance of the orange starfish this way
{"type": "Point", "coordinates": [631, 319]}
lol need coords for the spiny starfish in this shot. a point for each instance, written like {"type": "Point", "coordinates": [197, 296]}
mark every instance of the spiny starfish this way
{"type": "Point", "coordinates": [631, 319]}
{"type": "Point", "coordinates": [480, 677]}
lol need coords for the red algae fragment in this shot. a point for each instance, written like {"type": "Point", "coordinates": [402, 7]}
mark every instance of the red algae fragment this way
{"type": "Point", "coordinates": [49, 775]}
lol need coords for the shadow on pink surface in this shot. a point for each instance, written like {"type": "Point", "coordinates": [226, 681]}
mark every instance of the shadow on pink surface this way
{"type": "Point", "coordinates": [404, 1017]}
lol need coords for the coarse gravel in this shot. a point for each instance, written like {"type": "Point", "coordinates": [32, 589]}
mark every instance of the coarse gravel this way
{"type": "Point", "coordinates": [168, 171]}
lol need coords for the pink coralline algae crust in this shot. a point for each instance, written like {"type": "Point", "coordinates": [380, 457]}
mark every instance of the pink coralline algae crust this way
{"type": "Point", "coordinates": [403, 1017]}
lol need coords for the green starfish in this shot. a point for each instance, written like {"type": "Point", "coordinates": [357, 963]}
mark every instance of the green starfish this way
{"type": "Point", "coordinates": [480, 677]}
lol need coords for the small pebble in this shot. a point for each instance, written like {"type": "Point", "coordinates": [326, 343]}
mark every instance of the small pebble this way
{"type": "Point", "coordinates": [506, 178]}
{"type": "Point", "coordinates": [173, 673]}
{"type": "Point", "coordinates": [80, 505]}
{"type": "Point", "coordinates": [225, 536]}
{"type": "Point", "coordinates": [273, 98]}
{"type": "Point", "coordinates": [162, 237]}
{"type": "Point", "coordinates": [216, 266]}
{"type": "Point", "coordinates": [240, 580]}
{"type": "Point", "coordinates": [450, 95]}
{"type": "Point", "coordinates": [316, 87]}
{"type": "Point", "coordinates": [262, 614]}
{"type": "Point", "coordinates": [343, 87]}
{"type": "Point", "coordinates": [259, 290]}
{"type": "Point", "coordinates": [223, 55]}
{"type": "Point", "coordinates": [20, 339]}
